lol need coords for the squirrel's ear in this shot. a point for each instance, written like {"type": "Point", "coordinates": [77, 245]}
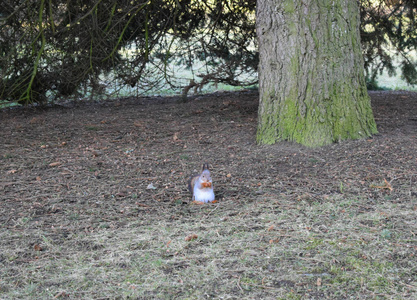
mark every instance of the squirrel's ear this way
{"type": "Point", "coordinates": [205, 166]}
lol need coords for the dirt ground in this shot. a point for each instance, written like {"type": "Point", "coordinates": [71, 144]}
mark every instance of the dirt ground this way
{"type": "Point", "coordinates": [92, 167]}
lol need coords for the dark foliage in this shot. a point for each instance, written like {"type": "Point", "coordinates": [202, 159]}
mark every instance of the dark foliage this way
{"type": "Point", "coordinates": [389, 32]}
{"type": "Point", "coordinates": [54, 49]}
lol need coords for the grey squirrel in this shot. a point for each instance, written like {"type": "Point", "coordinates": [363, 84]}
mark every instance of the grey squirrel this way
{"type": "Point", "coordinates": [201, 186]}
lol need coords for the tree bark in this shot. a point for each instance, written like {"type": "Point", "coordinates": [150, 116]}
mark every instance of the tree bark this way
{"type": "Point", "coordinates": [311, 76]}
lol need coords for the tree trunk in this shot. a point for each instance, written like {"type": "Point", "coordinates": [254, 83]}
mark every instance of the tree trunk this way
{"type": "Point", "coordinates": [311, 76]}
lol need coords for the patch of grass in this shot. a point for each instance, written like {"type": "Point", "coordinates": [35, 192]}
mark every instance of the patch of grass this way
{"type": "Point", "coordinates": [8, 104]}
{"type": "Point", "coordinates": [92, 128]}
{"type": "Point", "coordinates": [156, 261]}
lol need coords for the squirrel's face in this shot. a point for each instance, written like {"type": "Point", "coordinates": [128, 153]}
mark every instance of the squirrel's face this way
{"type": "Point", "coordinates": [205, 176]}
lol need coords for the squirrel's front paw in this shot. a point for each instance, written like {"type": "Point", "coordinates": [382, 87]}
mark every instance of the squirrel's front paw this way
{"type": "Point", "coordinates": [206, 184]}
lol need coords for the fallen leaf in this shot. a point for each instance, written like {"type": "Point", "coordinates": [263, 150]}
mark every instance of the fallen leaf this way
{"type": "Point", "coordinates": [33, 120]}
{"type": "Point", "coordinates": [11, 171]}
{"type": "Point", "coordinates": [229, 175]}
{"type": "Point", "coordinates": [386, 185]}
{"type": "Point", "coordinates": [96, 153]}
{"type": "Point", "coordinates": [55, 164]}
{"type": "Point", "coordinates": [36, 247]}
{"type": "Point", "coordinates": [61, 295]}
{"type": "Point", "coordinates": [150, 187]}
{"type": "Point", "coordinates": [319, 281]}
{"type": "Point", "coordinates": [175, 137]}
{"type": "Point", "coordinates": [271, 227]}
{"type": "Point", "coordinates": [191, 237]}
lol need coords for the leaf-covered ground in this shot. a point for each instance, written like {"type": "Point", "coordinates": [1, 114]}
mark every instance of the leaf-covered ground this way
{"type": "Point", "coordinates": [94, 204]}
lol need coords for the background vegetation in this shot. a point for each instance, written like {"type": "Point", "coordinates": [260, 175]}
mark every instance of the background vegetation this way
{"type": "Point", "coordinates": [52, 50]}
